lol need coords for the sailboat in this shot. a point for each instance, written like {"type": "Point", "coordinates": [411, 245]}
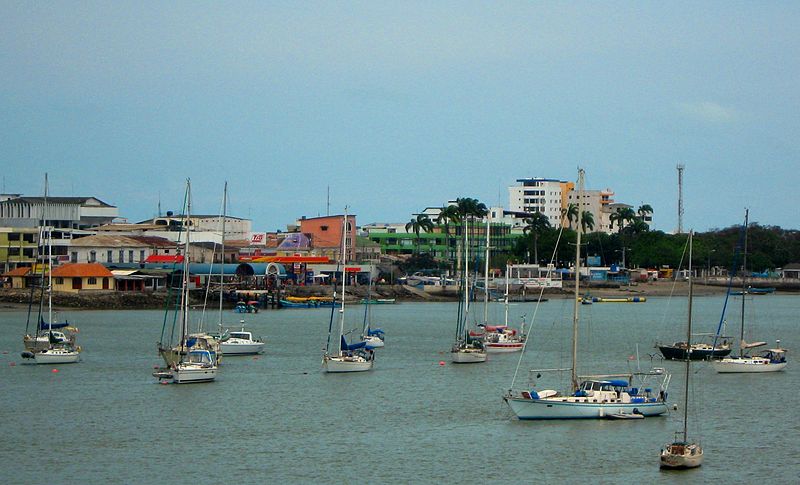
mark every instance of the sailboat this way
{"type": "Point", "coordinates": [467, 349]}
{"type": "Point", "coordinates": [47, 345]}
{"type": "Point", "coordinates": [681, 454]}
{"type": "Point", "coordinates": [239, 342]}
{"type": "Point", "coordinates": [375, 338]}
{"type": "Point", "coordinates": [770, 360]}
{"type": "Point", "coordinates": [596, 396]}
{"type": "Point", "coordinates": [501, 338]}
{"type": "Point", "coordinates": [339, 355]}
{"type": "Point", "coordinates": [191, 360]}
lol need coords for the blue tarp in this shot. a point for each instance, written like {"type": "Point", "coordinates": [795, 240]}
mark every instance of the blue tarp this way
{"type": "Point", "coordinates": [618, 383]}
{"type": "Point", "coordinates": [44, 325]}
{"type": "Point", "coordinates": [375, 332]}
{"type": "Point", "coordinates": [345, 346]}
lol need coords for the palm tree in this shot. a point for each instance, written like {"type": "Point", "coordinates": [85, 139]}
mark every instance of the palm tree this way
{"type": "Point", "coordinates": [448, 214]}
{"type": "Point", "coordinates": [536, 224]}
{"type": "Point", "coordinates": [622, 216]}
{"type": "Point", "coordinates": [570, 214]}
{"type": "Point", "coordinates": [644, 211]}
{"type": "Point", "coordinates": [587, 221]}
{"type": "Point", "coordinates": [420, 223]}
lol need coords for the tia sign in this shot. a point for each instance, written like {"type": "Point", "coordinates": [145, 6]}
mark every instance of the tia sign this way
{"type": "Point", "coordinates": [258, 239]}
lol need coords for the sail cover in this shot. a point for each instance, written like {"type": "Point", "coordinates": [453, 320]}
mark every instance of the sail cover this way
{"type": "Point", "coordinates": [44, 325]}
{"type": "Point", "coordinates": [346, 346]}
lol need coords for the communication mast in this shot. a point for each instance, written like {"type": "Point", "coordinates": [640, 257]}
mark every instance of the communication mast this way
{"type": "Point", "coordinates": [680, 168]}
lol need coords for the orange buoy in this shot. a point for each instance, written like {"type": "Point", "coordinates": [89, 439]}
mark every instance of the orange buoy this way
{"type": "Point", "coordinates": [441, 362]}
{"type": "Point", "coordinates": [54, 371]}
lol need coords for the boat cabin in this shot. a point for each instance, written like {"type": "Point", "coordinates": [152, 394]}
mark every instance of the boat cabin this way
{"type": "Point", "coordinates": [199, 357]}
{"type": "Point", "coordinates": [241, 335]}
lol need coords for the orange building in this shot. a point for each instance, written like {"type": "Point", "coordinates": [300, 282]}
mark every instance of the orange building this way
{"type": "Point", "coordinates": [77, 277]}
{"type": "Point", "coordinates": [326, 235]}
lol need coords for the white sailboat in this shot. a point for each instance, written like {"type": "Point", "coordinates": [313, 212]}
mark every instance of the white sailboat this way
{"type": "Point", "coordinates": [770, 360]}
{"type": "Point", "coordinates": [591, 396]}
{"type": "Point", "coordinates": [339, 355]}
{"type": "Point", "coordinates": [47, 345]}
{"type": "Point", "coordinates": [240, 342]}
{"type": "Point", "coordinates": [191, 360]}
{"type": "Point", "coordinates": [502, 338]}
{"type": "Point", "coordinates": [682, 454]}
{"type": "Point", "coordinates": [374, 337]}
{"type": "Point", "coordinates": [466, 349]}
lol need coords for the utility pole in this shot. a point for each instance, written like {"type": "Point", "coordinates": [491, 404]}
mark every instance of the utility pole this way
{"type": "Point", "coordinates": [680, 168]}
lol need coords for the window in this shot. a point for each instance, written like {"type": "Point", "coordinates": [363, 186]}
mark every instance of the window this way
{"type": "Point", "coordinates": [121, 255]}
{"type": "Point", "coordinates": [109, 256]}
{"type": "Point", "coordinates": [92, 256]}
{"type": "Point", "coordinates": [13, 236]}
{"type": "Point", "coordinates": [324, 228]}
{"type": "Point", "coordinates": [130, 255]}
{"type": "Point", "coordinates": [92, 281]}
{"type": "Point", "coordinates": [59, 281]}
{"type": "Point", "coordinates": [73, 257]}
{"type": "Point", "coordinates": [13, 251]}
{"type": "Point", "coordinates": [141, 255]}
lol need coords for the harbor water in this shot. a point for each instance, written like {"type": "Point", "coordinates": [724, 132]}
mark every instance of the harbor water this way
{"type": "Point", "coordinates": [278, 418]}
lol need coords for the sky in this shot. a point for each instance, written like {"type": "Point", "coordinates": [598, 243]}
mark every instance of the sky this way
{"type": "Point", "coordinates": [393, 107]}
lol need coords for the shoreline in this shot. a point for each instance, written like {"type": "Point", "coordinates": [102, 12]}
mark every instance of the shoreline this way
{"type": "Point", "coordinates": [17, 299]}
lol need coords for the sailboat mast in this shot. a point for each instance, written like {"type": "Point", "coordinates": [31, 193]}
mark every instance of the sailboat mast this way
{"type": "Point", "coordinates": [486, 275]}
{"type": "Point", "coordinates": [466, 279]}
{"type": "Point", "coordinates": [577, 283]}
{"type": "Point", "coordinates": [222, 252]}
{"type": "Point", "coordinates": [49, 260]}
{"type": "Point", "coordinates": [185, 285]}
{"type": "Point", "coordinates": [744, 281]}
{"type": "Point", "coordinates": [505, 320]}
{"type": "Point", "coordinates": [688, 341]}
{"type": "Point", "coordinates": [344, 278]}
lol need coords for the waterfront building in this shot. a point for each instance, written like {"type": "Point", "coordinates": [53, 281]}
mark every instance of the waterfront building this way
{"type": "Point", "coordinates": [325, 235]}
{"type": "Point", "coordinates": [82, 277]}
{"type": "Point", "coordinates": [205, 228]}
{"type": "Point", "coordinates": [18, 247]}
{"type": "Point", "coordinates": [62, 212]}
{"type": "Point", "coordinates": [115, 248]}
{"type": "Point", "coordinates": [546, 196]}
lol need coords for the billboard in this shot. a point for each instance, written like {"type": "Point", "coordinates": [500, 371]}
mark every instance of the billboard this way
{"type": "Point", "coordinates": [258, 239]}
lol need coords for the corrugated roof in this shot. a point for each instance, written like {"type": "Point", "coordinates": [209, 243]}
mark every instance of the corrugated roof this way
{"type": "Point", "coordinates": [85, 270]}
{"type": "Point", "coordinates": [108, 241]}
{"type": "Point", "coordinates": [21, 271]}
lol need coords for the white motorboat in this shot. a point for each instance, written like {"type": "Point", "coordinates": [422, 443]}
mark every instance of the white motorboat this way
{"type": "Point", "coordinates": [682, 454]}
{"type": "Point", "coordinates": [596, 396]}
{"type": "Point", "coordinates": [241, 343]}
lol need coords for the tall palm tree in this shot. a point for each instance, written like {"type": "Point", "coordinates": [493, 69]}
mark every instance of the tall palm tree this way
{"type": "Point", "coordinates": [570, 213]}
{"type": "Point", "coordinates": [622, 216]}
{"type": "Point", "coordinates": [536, 224]}
{"type": "Point", "coordinates": [417, 224]}
{"type": "Point", "coordinates": [587, 221]}
{"type": "Point", "coordinates": [448, 214]}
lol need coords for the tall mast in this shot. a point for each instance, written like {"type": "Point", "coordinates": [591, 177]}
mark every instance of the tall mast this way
{"type": "Point", "coordinates": [508, 271]}
{"type": "Point", "coordinates": [486, 274]}
{"type": "Point", "coordinates": [688, 342]}
{"type": "Point", "coordinates": [466, 278]}
{"type": "Point", "coordinates": [577, 283]}
{"type": "Point", "coordinates": [49, 260]}
{"type": "Point", "coordinates": [744, 281]}
{"type": "Point", "coordinates": [185, 282]}
{"type": "Point", "coordinates": [222, 252]}
{"type": "Point", "coordinates": [344, 278]}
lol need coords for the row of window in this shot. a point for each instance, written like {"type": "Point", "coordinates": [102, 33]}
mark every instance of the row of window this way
{"type": "Point", "coordinates": [109, 256]}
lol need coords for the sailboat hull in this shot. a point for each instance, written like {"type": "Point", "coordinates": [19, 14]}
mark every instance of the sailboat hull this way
{"type": "Point", "coordinates": [499, 348]}
{"type": "Point", "coordinates": [467, 356]}
{"type": "Point", "coordinates": [57, 356]}
{"type": "Point", "coordinates": [746, 365]}
{"type": "Point", "coordinates": [681, 456]}
{"type": "Point", "coordinates": [342, 364]}
{"type": "Point", "coordinates": [189, 374]}
{"type": "Point", "coordinates": [673, 352]}
{"type": "Point", "coordinates": [537, 409]}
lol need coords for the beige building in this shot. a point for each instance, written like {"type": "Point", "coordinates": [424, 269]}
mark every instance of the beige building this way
{"type": "Point", "coordinates": [81, 277]}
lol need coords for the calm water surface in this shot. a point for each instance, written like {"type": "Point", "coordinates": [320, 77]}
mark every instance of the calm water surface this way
{"type": "Point", "coordinates": [279, 418]}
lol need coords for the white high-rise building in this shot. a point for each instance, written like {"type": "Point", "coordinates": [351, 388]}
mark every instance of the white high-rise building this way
{"type": "Point", "coordinates": [547, 196]}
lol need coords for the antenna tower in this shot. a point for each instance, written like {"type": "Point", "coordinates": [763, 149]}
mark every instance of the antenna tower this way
{"type": "Point", "coordinates": [680, 168]}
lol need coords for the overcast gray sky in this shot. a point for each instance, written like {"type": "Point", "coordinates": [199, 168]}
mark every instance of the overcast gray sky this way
{"type": "Point", "coordinates": [401, 105]}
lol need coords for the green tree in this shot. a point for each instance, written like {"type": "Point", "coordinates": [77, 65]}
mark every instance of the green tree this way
{"type": "Point", "coordinates": [420, 223]}
{"type": "Point", "coordinates": [570, 213]}
{"type": "Point", "coordinates": [448, 214]}
{"type": "Point", "coordinates": [534, 226]}
{"type": "Point", "coordinates": [587, 221]}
